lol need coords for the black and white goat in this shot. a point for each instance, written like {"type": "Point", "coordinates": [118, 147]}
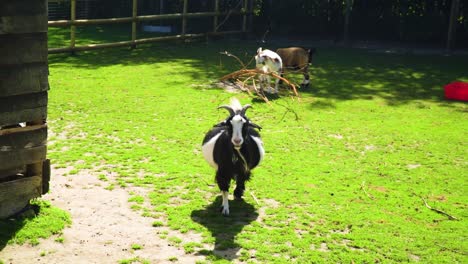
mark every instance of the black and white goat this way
{"type": "Point", "coordinates": [268, 61]}
{"type": "Point", "coordinates": [233, 148]}
{"type": "Point", "coordinates": [296, 58]}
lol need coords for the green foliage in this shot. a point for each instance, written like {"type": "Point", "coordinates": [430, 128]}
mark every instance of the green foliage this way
{"type": "Point", "coordinates": [136, 247]}
{"type": "Point", "coordinates": [48, 221]}
{"type": "Point", "coordinates": [345, 168]}
{"type": "Point", "coordinates": [134, 260]}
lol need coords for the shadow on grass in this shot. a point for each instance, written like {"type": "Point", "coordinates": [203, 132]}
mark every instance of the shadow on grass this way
{"type": "Point", "coordinates": [336, 73]}
{"type": "Point", "coordinates": [225, 229]}
{"type": "Point", "coordinates": [12, 225]}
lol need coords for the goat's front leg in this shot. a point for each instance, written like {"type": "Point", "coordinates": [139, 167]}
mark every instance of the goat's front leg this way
{"type": "Point", "coordinates": [223, 183]}
{"type": "Point", "coordinates": [306, 80]}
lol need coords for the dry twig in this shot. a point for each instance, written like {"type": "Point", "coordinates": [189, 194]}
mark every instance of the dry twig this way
{"type": "Point", "coordinates": [255, 198]}
{"type": "Point", "coordinates": [363, 188]}
{"type": "Point", "coordinates": [451, 217]}
{"type": "Point", "coordinates": [253, 72]}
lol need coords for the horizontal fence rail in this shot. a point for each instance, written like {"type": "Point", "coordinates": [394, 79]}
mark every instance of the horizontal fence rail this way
{"type": "Point", "coordinates": [134, 19]}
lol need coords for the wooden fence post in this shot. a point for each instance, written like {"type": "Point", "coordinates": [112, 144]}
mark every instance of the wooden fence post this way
{"type": "Point", "coordinates": [184, 18]}
{"type": "Point", "coordinates": [244, 17]}
{"type": "Point", "coordinates": [452, 24]}
{"type": "Point", "coordinates": [134, 22]}
{"type": "Point", "coordinates": [215, 17]}
{"type": "Point", "coordinates": [348, 7]}
{"type": "Point", "coordinates": [72, 27]}
{"type": "Point", "coordinates": [251, 7]}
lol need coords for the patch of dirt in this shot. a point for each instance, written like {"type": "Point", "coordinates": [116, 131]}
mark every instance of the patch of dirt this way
{"type": "Point", "coordinates": [103, 229]}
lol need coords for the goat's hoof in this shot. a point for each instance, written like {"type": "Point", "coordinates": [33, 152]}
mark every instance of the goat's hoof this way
{"type": "Point", "coordinates": [224, 211]}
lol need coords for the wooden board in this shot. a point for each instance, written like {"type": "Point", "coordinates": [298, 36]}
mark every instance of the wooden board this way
{"type": "Point", "coordinates": [23, 140]}
{"type": "Point", "coordinates": [7, 175]}
{"type": "Point", "coordinates": [45, 176]}
{"type": "Point", "coordinates": [23, 48]}
{"type": "Point", "coordinates": [15, 195]}
{"type": "Point", "coordinates": [23, 79]}
{"type": "Point", "coordinates": [16, 158]}
{"type": "Point", "coordinates": [23, 16]}
{"type": "Point", "coordinates": [23, 108]}
{"type": "Point", "coordinates": [22, 24]}
{"type": "Point", "coordinates": [23, 7]}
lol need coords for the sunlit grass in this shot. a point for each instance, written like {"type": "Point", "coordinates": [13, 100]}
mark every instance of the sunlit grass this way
{"type": "Point", "coordinates": [342, 182]}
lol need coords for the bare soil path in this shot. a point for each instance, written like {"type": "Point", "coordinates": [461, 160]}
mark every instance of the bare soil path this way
{"type": "Point", "coordinates": [102, 231]}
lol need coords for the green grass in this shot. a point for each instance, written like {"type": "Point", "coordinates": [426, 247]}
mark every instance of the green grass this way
{"type": "Point", "coordinates": [345, 168]}
{"type": "Point", "coordinates": [30, 228]}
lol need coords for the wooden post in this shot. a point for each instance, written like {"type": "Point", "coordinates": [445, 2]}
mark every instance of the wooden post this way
{"type": "Point", "coordinates": [452, 24]}
{"type": "Point", "coordinates": [215, 18]}
{"type": "Point", "coordinates": [72, 27]}
{"type": "Point", "coordinates": [23, 103]}
{"type": "Point", "coordinates": [251, 7]}
{"type": "Point", "coordinates": [348, 7]}
{"type": "Point", "coordinates": [184, 18]}
{"type": "Point", "coordinates": [134, 22]}
{"type": "Point", "coordinates": [244, 17]}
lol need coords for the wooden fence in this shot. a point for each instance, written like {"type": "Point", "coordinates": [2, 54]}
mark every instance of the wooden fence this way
{"type": "Point", "coordinates": [24, 169]}
{"type": "Point", "coordinates": [246, 11]}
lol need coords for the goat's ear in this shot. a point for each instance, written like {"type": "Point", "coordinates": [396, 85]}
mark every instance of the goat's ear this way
{"type": "Point", "coordinates": [259, 50]}
{"type": "Point", "coordinates": [221, 124]}
{"type": "Point", "coordinates": [255, 126]}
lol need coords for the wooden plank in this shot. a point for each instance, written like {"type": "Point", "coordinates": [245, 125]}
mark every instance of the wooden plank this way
{"type": "Point", "coordinates": [141, 41]}
{"type": "Point", "coordinates": [102, 21]}
{"type": "Point", "coordinates": [15, 195]}
{"type": "Point", "coordinates": [21, 102]}
{"type": "Point", "coordinates": [23, 7]}
{"type": "Point", "coordinates": [21, 129]}
{"type": "Point", "coordinates": [23, 24]}
{"type": "Point", "coordinates": [25, 115]}
{"type": "Point", "coordinates": [23, 79]}
{"type": "Point", "coordinates": [45, 176]}
{"type": "Point", "coordinates": [23, 48]}
{"type": "Point", "coordinates": [16, 158]}
{"type": "Point", "coordinates": [23, 140]}
{"type": "Point", "coordinates": [5, 175]}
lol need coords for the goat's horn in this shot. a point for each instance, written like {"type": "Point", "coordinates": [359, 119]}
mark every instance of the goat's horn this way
{"type": "Point", "coordinates": [244, 109]}
{"type": "Point", "coordinates": [227, 107]}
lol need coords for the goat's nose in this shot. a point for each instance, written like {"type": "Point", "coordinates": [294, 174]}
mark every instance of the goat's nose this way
{"type": "Point", "coordinates": [237, 141]}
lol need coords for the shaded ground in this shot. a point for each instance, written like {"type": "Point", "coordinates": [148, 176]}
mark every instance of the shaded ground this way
{"type": "Point", "coordinates": [103, 228]}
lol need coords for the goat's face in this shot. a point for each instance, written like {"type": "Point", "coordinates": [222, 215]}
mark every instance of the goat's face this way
{"type": "Point", "coordinates": [237, 124]}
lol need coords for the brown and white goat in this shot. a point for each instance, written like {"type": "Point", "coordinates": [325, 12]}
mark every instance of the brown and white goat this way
{"type": "Point", "coordinates": [296, 59]}
{"type": "Point", "coordinates": [268, 61]}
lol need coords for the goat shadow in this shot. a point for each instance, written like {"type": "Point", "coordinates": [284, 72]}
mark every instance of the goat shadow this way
{"type": "Point", "coordinates": [225, 228]}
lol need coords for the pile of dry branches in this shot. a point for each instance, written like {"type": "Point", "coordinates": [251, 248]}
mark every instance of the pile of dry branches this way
{"type": "Point", "coordinates": [241, 79]}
